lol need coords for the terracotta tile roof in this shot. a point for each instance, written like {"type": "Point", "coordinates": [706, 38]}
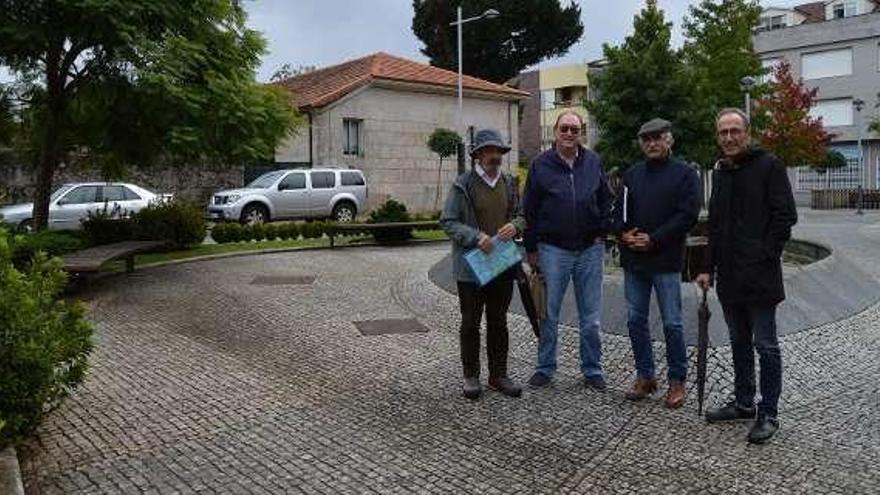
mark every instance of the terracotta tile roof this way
{"type": "Point", "coordinates": [324, 86]}
{"type": "Point", "coordinates": [814, 12]}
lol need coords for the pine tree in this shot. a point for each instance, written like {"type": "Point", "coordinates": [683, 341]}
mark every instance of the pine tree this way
{"type": "Point", "coordinates": [644, 78]}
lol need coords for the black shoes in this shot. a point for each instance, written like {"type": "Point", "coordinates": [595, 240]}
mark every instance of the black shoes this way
{"type": "Point", "coordinates": [506, 386]}
{"type": "Point", "coordinates": [472, 388]}
{"type": "Point", "coordinates": [539, 380]}
{"type": "Point", "coordinates": [596, 383]}
{"type": "Point", "coordinates": [763, 430]}
{"type": "Point", "coordinates": [730, 412]}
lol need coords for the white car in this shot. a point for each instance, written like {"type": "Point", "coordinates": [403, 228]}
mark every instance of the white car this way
{"type": "Point", "coordinates": [70, 204]}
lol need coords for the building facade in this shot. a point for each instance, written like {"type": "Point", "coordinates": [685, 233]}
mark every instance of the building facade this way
{"type": "Point", "coordinates": [553, 91]}
{"type": "Point", "coordinates": [834, 46]}
{"type": "Point", "coordinates": [377, 113]}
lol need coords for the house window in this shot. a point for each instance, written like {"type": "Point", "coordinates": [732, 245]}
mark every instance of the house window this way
{"type": "Point", "coordinates": [848, 8]}
{"type": "Point", "coordinates": [563, 97]}
{"type": "Point", "coordinates": [777, 22]}
{"type": "Point", "coordinates": [831, 63]}
{"type": "Point", "coordinates": [834, 113]}
{"type": "Point", "coordinates": [351, 130]}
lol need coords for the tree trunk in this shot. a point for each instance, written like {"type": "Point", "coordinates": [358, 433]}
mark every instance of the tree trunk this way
{"type": "Point", "coordinates": [439, 177]}
{"type": "Point", "coordinates": [50, 152]}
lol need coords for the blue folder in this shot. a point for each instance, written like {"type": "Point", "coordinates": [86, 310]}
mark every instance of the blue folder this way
{"type": "Point", "coordinates": [486, 267]}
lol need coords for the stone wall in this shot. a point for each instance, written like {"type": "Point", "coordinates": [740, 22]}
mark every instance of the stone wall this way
{"type": "Point", "coordinates": [17, 182]}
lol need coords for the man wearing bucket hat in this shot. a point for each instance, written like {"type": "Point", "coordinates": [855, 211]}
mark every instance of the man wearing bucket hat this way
{"type": "Point", "coordinates": [483, 203]}
{"type": "Point", "coordinates": [659, 206]}
{"type": "Point", "coordinates": [567, 204]}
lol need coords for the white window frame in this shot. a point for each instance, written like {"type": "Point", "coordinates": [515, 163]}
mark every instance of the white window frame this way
{"type": "Point", "coordinates": [817, 74]}
{"type": "Point", "coordinates": [352, 128]}
{"type": "Point", "coordinates": [845, 101]}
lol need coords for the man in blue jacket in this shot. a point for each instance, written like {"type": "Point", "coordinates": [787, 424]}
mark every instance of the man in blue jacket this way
{"type": "Point", "coordinates": [567, 206]}
{"type": "Point", "coordinates": [658, 207]}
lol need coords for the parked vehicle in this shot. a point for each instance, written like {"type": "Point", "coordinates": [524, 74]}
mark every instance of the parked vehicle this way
{"type": "Point", "coordinates": [70, 204]}
{"type": "Point", "coordinates": [293, 194]}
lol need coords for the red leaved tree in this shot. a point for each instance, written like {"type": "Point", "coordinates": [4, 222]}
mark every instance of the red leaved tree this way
{"type": "Point", "coordinates": [785, 126]}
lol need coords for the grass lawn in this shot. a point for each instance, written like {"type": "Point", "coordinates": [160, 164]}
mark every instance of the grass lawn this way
{"type": "Point", "coordinates": [246, 247]}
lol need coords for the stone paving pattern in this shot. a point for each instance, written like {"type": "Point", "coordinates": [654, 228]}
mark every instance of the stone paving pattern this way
{"type": "Point", "coordinates": [204, 383]}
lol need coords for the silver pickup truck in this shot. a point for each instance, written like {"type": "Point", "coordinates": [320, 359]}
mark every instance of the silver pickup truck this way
{"type": "Point", "coordinates": [338, 194]}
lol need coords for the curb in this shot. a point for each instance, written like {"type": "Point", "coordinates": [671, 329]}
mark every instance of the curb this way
{"type": "Point", "coordinates": [10, 473]}
{"type": "Point", "coordinates": [257, 252]}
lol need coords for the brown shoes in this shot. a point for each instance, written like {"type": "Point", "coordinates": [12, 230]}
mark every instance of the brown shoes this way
{"type": "Point", "coordinates": [642, 388]}
{"type": "Point", "coordinates": [676, 395]}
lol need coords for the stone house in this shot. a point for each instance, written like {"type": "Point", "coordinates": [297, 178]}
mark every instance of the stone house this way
{"type": "Point", "coordinates": [376, 113]}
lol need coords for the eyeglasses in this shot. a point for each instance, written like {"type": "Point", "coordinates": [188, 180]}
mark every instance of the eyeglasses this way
{"type": "Point", "coordinates": [569, 129]}
{"type": "Point", "coordinates": [735, 132]}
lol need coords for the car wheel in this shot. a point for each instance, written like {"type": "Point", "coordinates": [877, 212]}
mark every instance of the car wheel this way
{"type": "Point", "coordinates": [26, 226]}
{"type": "Point", "coordinates": [344, 213]}
{"type": "Point", "coordinates": [254, 214]}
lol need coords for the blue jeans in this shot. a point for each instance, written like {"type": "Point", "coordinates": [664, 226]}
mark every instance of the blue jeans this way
{"type": "Point", "coordinates": [559, 266]}
{"type": "Point", "coordinates": [754, 327]}
{"type": "Point", "coordinates": [667, 286]}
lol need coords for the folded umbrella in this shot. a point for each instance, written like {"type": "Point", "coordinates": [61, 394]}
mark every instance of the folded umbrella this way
{"type": "Point", "coordinates": [524, 284]}
{"type": "Point", "coordinates": [703, 315]}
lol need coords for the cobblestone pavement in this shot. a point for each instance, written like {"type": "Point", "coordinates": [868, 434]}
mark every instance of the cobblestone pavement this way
{"type": "Point", "coordinates": [202, 382]}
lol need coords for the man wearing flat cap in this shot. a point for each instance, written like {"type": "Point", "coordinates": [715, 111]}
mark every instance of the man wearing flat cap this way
{"type": "Point", "coordinates": [483, 203]}
{"type": "Point", "coordinates": [657, 208]}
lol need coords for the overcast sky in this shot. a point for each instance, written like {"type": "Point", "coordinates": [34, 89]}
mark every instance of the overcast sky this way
{"type": "Point", "coordinates": [327, 32]}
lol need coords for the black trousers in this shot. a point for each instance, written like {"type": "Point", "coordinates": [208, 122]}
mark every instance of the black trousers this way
{"type": "Point", "coordinates": [494, 298]}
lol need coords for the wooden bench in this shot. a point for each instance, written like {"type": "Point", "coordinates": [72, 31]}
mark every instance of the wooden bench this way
{"type": "Point", "coordinates": [90, 260]}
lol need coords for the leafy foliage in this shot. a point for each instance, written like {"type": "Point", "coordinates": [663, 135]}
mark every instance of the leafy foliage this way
{"type": "Point", "coordinates": [790, 133]}
{"type": "Point", "coordinates": [180, 223]}
{"type": "Point", "coordinates": [107, 226]}
{"type": "Point", "coordinates": [525, 33]}
{"type": "Point", "coordinates": [718, 53]}
{"type": "Point", "coordinates": [391, 211]}
{"type": "Point", "coordinates": [115, 83]}
{"type": "Point", "coordinates": [445, 143]}
{"type": "Point", "coordinates": [44, 342]}
{"type": "Point", "coordinates": [49, 242]}
{"type": "Point", "coordinates": [644, 78]}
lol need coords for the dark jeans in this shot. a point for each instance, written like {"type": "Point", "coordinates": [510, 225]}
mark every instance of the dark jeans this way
{"type": "Point", "coordinates": [754, 327]}
{"type": "Point", "coordinates": [494, 297]}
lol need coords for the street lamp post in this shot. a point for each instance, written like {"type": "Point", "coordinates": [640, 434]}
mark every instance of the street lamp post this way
{"type": "Point", "coordinates": [746, 84]}
{"type": "Point", "coordinates": [858, 104]}
{"type": "Point", "coordinates": [489, 14]}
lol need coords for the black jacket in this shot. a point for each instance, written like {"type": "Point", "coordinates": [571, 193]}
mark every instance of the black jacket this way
{"type": "Point", "coordinates": [751, 214]}
{"type": "Point", "coordinates": [663, 200]}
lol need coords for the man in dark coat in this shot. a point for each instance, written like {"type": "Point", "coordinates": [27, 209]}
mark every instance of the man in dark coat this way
{"type": "Point", "coordinates": [751, 214]}
{"type": "Point", "coordinates": [658, 207]}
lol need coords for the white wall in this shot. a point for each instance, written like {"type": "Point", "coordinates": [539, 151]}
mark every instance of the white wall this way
{"type": "Point", "coordinates": [394, 134]}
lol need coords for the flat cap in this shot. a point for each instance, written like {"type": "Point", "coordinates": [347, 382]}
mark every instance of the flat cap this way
{"type": "Point", "coordinates": [655, 126]}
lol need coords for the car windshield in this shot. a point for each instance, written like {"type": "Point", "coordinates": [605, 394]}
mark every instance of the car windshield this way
{"type": "Point", "coordinates": [61, 190]}
{"type": "Point", "coordinates": [266, 180]}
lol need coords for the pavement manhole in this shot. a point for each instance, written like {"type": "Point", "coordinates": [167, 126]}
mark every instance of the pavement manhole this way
{"type": "Point", "coordinates": [392, 326]}
{"type": "Point", "coordinates": [284, 280]}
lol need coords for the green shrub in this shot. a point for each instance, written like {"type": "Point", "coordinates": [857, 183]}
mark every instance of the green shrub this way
{"type": "Point", "coordinates": [52, 242]}
{"type": "Point", "coordinates": [179, 223]}
{"type": "Point", "coordinates": [310, 230]}
{"type": "Point", "coordinates": [270, 232]}
{"type": "Point", "coordinates": [247, 233]}
{"type": "Point", "coordinates": [259, 231]}
{"type": "Point", "coordinates": [288, 231]}
{"type": "Point", "coordinates": [234, 232]}
{"type": "Point", "coordinates": [219, 233]}
{"type": "Point", "coordinates": [107, 227]}
{"type": "Point", "coordinates": [391, 211]}
{"type": "Point", "coordinates": [44, 342]}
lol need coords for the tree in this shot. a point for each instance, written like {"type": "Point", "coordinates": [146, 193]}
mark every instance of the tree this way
{"type": "Point", "coordinates": [644, 78]}
{"type": "Point", "coordinates": [443, 142]}
{"type": "Point", "coordinates": [790, 132]}
{"type": "Point", "coordinates": [118, 83]}
{"type": "Point", "coordinates": [287, 71]}
{"type": "Point", "coordinates": [525, 33]}
{"type": "Point", "coordinates": [718, 53]}
{"type": "Point", "coordinates": [7, 119]}
{"type": "Point", "coordinates": [875, 126]}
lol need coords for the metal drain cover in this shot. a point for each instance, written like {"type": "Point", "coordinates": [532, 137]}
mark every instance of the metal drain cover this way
{"type": "Point", "coordinates": [392, 326]}
{"type": "Point", "coordinates": [284, 280]}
